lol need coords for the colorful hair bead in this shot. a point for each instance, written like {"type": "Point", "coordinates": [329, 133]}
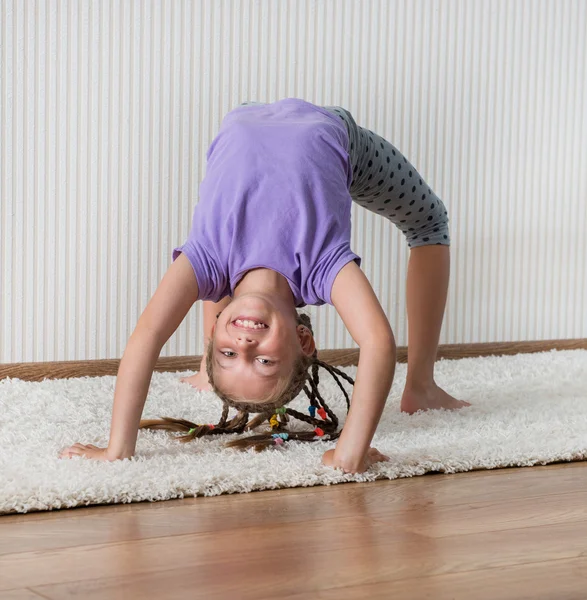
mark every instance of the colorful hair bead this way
{"type": "Point", "coordinates": [273, 422]}
{"type": "Point", "coordinates": [312, 411]}
{"type": "Point", "coordinates": [278, 441]}
{"type": "Point", "coordinates": [322, 412]}
{"type": "Point", "coordinates": [281, 410]}
{"type": "Point", "coordinates": [283, 436]}
{"type": "Point", "coordinates": [319, 432]}
{"type": "Point", "coordinates": [196, 427]}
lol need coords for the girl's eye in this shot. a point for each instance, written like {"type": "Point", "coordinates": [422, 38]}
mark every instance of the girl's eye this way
{"type": "Point", "coordinates": [231, 354]}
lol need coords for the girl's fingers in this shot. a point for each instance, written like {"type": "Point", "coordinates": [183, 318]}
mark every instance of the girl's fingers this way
{"type": "Point", "coordinates": [78, 450]}
{"type": "Point", "coordinates": [85, 446]}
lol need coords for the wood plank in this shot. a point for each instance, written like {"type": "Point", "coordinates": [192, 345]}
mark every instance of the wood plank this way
{"type": "Point", "coordinates": [21, 594]}
{"type": "Point", "coordinates": [344, 357]}
{"type": "Point", "coordinates": [557, 579]}
{"type": "Point", "coordinates": [257, 563]}
{"type": "Point", "coordinates": [469, 518]}
{"type": "Point", "coordinates": [202, 551]}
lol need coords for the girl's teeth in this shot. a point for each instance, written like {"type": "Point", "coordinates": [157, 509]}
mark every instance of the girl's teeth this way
{"type": "Point", "coordinates": [250, 324]}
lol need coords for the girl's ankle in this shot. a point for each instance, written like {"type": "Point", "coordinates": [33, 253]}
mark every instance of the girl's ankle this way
{"type": "Point", "coordinates": [420, 384]}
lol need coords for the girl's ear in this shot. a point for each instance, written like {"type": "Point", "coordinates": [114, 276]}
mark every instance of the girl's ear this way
{"type": "Point", "coordinates": [306, 340]}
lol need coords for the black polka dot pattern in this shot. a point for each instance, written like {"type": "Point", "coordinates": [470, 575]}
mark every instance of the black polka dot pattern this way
{"type": "Point", "coordinates": [405, 203]}
{"type": "Point", "coordinates": [401, 203]}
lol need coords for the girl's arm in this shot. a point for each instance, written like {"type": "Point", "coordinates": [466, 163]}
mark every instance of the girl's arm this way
{"type": "Point", "coordinates": [172, 300]}
{"type": "Point", "coordinates": [356, 303]}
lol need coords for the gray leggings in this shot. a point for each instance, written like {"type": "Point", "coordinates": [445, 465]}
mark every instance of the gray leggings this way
{"type": "Point", "coordinates": [386, 183]}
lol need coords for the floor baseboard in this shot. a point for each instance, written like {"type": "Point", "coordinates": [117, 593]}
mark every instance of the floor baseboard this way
{"type": "Point", "coordinates": [346, 357]}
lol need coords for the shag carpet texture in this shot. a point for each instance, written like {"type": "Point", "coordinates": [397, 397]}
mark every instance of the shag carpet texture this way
{"type": "Point", "coordinates": [527, 409]}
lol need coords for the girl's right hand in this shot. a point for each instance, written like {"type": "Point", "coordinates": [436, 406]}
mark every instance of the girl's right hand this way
{"type": "Point", "coordinates": [87, 451]}
{"type": "Point", "coordinates": [373, 456]}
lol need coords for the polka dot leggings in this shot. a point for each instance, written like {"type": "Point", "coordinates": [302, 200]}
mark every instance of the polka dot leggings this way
{"type": "Point", "coordinates": [385, 182]}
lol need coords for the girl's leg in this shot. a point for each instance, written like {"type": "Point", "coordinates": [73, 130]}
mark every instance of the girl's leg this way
{"type": "Point", "coordinates": [427, 287]}
{"type": "Point", "coordinates": [211, 309]}
{"type": "Point", "coordinates": [386, 183]}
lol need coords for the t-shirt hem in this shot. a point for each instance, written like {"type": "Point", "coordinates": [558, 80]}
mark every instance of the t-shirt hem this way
{"type": "Point", "coordinates": [192, 255]}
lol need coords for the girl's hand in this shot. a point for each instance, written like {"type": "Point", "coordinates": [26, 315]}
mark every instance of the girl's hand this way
{"type": "Point", "coordinates": [373, 456]}
{"type": "Point", "coordinates": [87, 451]}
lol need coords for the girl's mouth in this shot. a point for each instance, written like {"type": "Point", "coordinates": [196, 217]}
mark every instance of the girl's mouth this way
{"type": "Point", "coordinates": [249, 323]}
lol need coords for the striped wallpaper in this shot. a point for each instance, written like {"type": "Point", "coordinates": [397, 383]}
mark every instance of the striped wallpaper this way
{"type": "Point", "coordinates": [107, 108]}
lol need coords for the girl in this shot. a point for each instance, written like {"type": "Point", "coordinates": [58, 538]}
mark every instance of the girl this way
{"type": "Point", "coordinates": [270, 233]}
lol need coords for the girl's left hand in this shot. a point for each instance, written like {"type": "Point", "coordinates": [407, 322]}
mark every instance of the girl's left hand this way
{"type": "Point", "coordinates": [87, 451]}
{"type": "Point", "coordinates": [373, 456]}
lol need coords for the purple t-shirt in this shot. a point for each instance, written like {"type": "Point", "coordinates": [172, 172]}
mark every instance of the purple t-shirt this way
{"type": "Point", "coordinates": [275, 195]}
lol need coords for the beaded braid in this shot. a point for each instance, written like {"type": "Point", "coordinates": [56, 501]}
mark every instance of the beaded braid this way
{"type": "Point", "coordinates": [306, 371]}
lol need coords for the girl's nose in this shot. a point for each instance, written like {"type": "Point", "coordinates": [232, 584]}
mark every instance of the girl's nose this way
{"type": "Point", "coordinates": [245, 340]}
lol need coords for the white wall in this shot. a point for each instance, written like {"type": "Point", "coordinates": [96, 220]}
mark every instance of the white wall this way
{"type": "Point", "coordinates": [107, 109]}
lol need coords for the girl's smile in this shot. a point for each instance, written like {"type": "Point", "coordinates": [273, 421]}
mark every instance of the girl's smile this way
{"type": "Point", "coordinates": [249, 323]}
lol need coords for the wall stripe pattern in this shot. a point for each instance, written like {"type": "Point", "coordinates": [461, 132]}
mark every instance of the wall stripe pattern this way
{"type": "Point", "coordinates": [107, 108]}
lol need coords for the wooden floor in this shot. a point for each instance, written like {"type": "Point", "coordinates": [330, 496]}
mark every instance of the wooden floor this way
{"type": "Point", "coordinates": [511, 533]}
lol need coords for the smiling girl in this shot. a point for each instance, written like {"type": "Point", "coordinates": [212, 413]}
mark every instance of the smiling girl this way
{"type": "Point", "coordinates": [271, 233]}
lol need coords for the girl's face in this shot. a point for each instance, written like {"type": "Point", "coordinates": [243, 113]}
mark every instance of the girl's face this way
{"type": "Point", "coordinates": [256, 341]}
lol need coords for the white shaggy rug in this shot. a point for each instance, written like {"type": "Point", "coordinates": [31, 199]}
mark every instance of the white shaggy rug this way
{"type": "Point", "coordinates": [527, 409]}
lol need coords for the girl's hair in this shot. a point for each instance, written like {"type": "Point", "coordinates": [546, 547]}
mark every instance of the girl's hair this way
{"type": "Point", "coordinates": [304, 377]}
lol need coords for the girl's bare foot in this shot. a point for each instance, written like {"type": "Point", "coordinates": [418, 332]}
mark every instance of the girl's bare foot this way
{"type": "Point", "coordinates": [200, 380]}
{"type": "Point", "coordinates": [428, 398]}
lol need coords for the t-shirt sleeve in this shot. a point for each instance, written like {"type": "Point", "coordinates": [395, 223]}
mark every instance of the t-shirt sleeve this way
{"type": "Point", "coordinates": [212, 279]}
{"type": "Point", "coordinates": [325, 272]}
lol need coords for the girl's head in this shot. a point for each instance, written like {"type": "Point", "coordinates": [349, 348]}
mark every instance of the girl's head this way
{"type": "Point", "coordinates": [287, 343]}
{"type": "Point", "coordinates": [260, 345]}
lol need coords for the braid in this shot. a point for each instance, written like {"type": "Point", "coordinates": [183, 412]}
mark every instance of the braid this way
{"type": "Point", "coordinates": [305, 378]}
{"type": "Point", "coordinates": [314, 382]}
{"type": "Point", "coordinates": [192, 431]}
{"type": "Point", "coordinates": [334, 371]}
{"type": "Point", "coordinates": [224, 417]}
